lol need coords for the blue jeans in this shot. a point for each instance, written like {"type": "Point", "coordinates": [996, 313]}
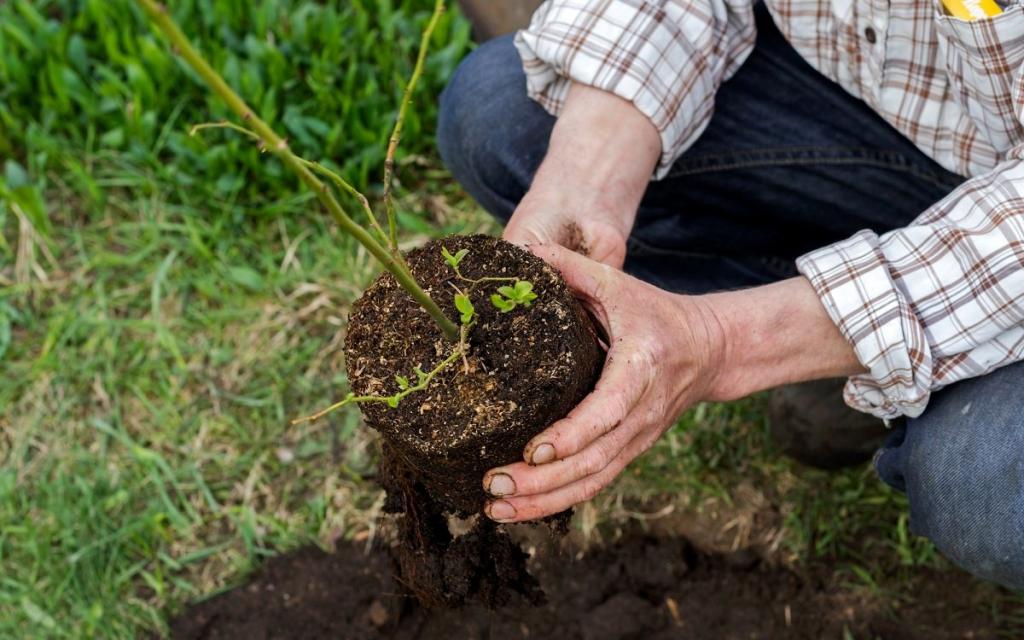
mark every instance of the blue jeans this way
{"type": "Point", "coordinates": [789, 162]}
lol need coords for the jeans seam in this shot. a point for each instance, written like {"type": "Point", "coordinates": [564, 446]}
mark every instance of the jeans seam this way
{"type": "Point", "coordinates": [906, 166]}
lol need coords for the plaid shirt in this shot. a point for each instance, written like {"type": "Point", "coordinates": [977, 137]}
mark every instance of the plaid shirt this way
{"type": "Point", "coordinates": [938, 301]}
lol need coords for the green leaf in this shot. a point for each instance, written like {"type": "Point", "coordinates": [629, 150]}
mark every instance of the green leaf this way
{"type": "Point", "coordinates": [523, 288]}
{"type": "Point", "coordinates": [453, 260]}
{"type": "Point", "coordinates": [112, 139]}
{"type": "Point", "coordinates": [502, 304]}
{"type": "Point", "coordinates": [77, 54]}
{"type": "Point", "coordinates": [403, 382]}
{"type": "Point", "coordinates": [15, 175]}
{"type": "Point", "coordinates": [36, 614]}
{"type": "Point", "coordinates": [421, 376]}
{"type": "Point", "coordinates": [19, 188]}
{"type": "Point", "coordinates": [507, 291]}
{"type": "Point", "coordinates": [465, 307]}
{"type": "Point", "coordinates": [246, 277]}
{"type": "Point", "coordinates": [392, 402]}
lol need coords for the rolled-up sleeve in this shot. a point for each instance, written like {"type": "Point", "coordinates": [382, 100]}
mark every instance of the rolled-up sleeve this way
{"type": "Point", "coordinates": [935, 302]}
{"type": "Point", "coordinates": [668, 58]}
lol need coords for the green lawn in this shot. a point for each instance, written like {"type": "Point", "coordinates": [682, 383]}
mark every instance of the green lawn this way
{"type": "Point", "coordinates": [168, 303]}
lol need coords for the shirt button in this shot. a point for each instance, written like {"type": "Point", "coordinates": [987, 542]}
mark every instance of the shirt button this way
{"type": "Point", "coordinates": [870, 35]}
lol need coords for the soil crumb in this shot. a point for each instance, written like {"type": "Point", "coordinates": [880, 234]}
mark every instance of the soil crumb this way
{"type": "Point", "coordinates": [577, 241]}
{"type": "Point", "coordinates": [640, 587]}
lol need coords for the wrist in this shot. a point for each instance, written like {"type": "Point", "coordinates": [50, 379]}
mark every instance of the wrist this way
{"type": "Point", "coordinates": [774, 335]}
{"type": "Point", "coordinates": [688, 343]}
{"type": "Point", "coordinates": [600, 159]}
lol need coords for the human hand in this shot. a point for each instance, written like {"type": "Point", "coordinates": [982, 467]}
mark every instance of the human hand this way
{"type": "Point", "coordinates": [663, 357]}
{"type": "Point", "coordinates": [540, 220]}
{"type": "Point", "coordinates": [585, 194]}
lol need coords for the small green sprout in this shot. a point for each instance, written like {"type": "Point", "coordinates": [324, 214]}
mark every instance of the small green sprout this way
{"type": "Point", "coordinates": [509, 297]}
{"type": "Point", "coordinates": [453, 260]}
{"type": "Point", "coordinates": [465, 308]}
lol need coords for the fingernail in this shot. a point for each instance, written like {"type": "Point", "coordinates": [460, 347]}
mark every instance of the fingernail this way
{"type": "Point", "coordinates": [501, 510]}
{"type": "Point", "coordinates": [501, 484]}
{"type": "Point", "coordinates": [544, 453]}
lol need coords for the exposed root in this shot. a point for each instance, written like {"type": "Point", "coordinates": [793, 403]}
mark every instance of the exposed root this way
{"type": "Point", "coordinates": [481, 566]}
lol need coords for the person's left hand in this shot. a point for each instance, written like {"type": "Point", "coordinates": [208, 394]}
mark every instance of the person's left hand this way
{"type": "Point", "coordinates": [663, 358]}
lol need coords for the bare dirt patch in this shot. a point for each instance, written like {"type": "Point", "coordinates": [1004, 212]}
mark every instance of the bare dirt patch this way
{"type": "Point", "coordinates": [639, 587]}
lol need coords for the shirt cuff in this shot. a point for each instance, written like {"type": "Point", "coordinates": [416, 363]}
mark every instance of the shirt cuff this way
{"type": "Point", "coordinates": [873, 313]}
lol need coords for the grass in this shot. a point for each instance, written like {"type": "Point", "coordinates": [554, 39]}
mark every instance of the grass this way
{"type": "Point", "coordinates": [168, 303]}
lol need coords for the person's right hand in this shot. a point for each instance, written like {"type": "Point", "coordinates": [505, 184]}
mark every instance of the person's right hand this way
{"type": "Point", "coordinates": [664, 355]}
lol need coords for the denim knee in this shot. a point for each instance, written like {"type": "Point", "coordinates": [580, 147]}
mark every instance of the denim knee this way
{"type": "Point", "coordinates": [961, 465]}
{"type": "Point", "coordinates": [491, 135]}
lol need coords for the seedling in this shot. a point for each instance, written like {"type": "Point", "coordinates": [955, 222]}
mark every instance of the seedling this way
{"type": "Point", "coordinates": [405, 388]}
{"type": "Point", "coordinates": [465, 308]}
{"type": "Point", "coordinates": [382, 244]}
{"type": "Point", "coordinates": [508, 298]}
{"type": "Point", "coordinates": [454, 260]}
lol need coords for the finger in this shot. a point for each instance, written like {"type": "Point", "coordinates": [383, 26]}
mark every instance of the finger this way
{"type": "Point", "coordinates": [521, 235]}
{"type": "Point", "coordinates": [623, 382]}
{"type": "Point", "coordinates": [521, 479]}
{"type": "Point", "coordinates": [529, 226]}
{"type": "Point", "coordinates": [589, 279]}
{"type": "Point", "coordinates": [532, 507]}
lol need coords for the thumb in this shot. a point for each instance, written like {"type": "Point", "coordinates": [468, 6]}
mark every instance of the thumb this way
{"type": "Point", "coordinates": [587, 278]}
{"type": "Point", "coordinates": [524, 229]}
{"type": "Point", "coordinates": [521, 235]}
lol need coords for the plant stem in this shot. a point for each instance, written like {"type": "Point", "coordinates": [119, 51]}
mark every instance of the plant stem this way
{"type": "Point", "coordinates": [485, 278]}
{"type": "Point", "coordinates": [274, 143]}
{"type": "Point", "coordinates": [460, 350]}
{"type": "Point", "coordinates": [396, 134]}
{"type": "Point", "coordinates": [342, 184]}
{"type": "Point", "coordinates": [316, 167]}
{"type": "Point", "coordinates": [224, 124]}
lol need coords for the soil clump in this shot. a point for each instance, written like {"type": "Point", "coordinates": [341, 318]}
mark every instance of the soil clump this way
{"type": "Point", "coordinates": [523, 370]}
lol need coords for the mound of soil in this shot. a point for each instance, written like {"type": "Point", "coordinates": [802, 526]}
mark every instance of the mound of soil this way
{"type": "Point", "coordinates": [522, 371]}
{"type": "Point", "coordinates": [639, 588]}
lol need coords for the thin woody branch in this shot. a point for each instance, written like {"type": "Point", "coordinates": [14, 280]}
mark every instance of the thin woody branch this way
{"type": "Point", "coordinates": [396, 134]}
{"type": "Point", "coordinates": [389, 258]}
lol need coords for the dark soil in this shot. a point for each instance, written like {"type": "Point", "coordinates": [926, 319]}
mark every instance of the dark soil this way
{"type": "Point", "coordinates": [639, 588]}
{"type": "Point", "coordinates": [525, 369]}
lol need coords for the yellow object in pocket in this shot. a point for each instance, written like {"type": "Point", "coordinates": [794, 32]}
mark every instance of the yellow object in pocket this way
{"type": "Point", "coordinates": [972, 9]}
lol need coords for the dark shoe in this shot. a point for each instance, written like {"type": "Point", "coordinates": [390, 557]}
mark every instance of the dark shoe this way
{"type": "Point", "coordinates": [810, 422]}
